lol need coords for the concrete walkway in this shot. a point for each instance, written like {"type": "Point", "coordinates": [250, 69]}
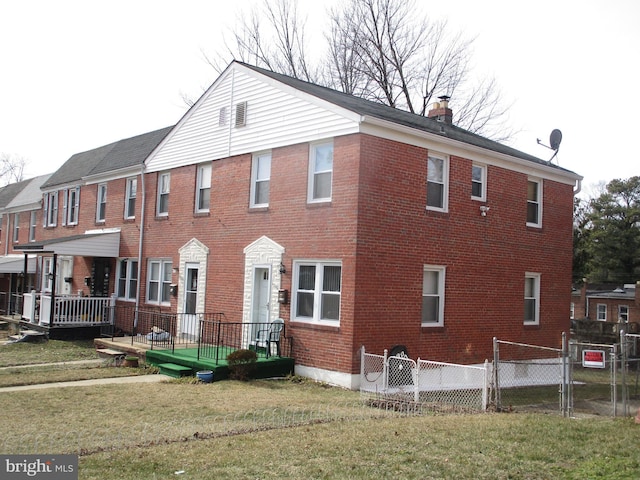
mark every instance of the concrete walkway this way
{"type": "Point", "coordinates": [155, 378]}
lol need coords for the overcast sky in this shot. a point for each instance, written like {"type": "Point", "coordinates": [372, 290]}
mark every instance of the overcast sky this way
{"type": "Point", "coordinates": [80, 74]}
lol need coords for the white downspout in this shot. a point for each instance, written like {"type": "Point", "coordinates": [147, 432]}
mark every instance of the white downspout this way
{"type": "Point", "coordinates": [140, 242]}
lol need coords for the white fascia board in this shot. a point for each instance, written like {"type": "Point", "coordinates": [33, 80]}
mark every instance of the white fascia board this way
{"type": "Point", "coordinates": [112, 175]}
{"type": "Point", "coordinates": [392, 131]}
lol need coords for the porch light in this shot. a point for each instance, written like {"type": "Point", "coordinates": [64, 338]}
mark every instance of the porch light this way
{"type": "Point", "coordinates": [283, 269]}
{"type": "Point", "coordinates": [50, 276]}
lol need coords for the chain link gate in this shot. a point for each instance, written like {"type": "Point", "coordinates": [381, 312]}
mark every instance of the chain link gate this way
{"type": "Point", "coordinates": [595, 386]}
{"type": "Point", "coordinates": [530, 376]}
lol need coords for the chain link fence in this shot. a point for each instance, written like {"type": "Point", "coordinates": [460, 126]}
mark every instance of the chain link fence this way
{"type": "Point", "coordinates": [398, 382]}
{"type": "Point", "coordinates": [530, 376]}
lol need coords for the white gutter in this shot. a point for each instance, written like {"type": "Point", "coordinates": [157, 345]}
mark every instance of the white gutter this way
{"type": "Point", "coordinates": [140, 242]}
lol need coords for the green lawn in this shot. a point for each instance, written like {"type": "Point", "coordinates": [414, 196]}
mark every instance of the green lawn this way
{"type": "Point", "coordinates": [296, 429]}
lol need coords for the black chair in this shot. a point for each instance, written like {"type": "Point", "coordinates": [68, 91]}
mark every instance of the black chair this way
{"type": "Point", "coordinates": [268, 336]}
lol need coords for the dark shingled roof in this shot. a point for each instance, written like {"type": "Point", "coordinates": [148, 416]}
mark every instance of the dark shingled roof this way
{"type": "Point", "coordinates": [400, 117]}
{"type": "Point", "coordinates": [10, 191]}
{"type": "Point", "coordinates": [115, 156]}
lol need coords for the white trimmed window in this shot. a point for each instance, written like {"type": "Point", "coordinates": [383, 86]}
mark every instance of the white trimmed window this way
{"type": "Point", "coordinates": [131, 193]}
{"type": "Point", "coordinates": [572, 311]}
{"type": "Point", "coordinates": [70, 206]}
{"type": "Point", "coordinates": [532, 298]}
{"type": "Point", "coordinates": [601, 312]}
{"type": "Point", "coordinates": [164, 183]}
{"type": "Point", "coordinates": [320, 172]}
{"type": "Point", "coordinates": [16, 227]}
{"type": "Point", "coordinates": [534, 203]}
{"type": "Point", "coordinates": [159, 282]}
{"type": "Point", "coordinates": [260, 180]}
{"type": "Point", "coordinates": [437, 183]}
{"type": "Point", "coordinates": [127, 287]}
{"type": "Point", "coordinates": [479, 182]}
{"type": "Point", "coordinates": [203, 188]}
{"type": "Point", "coordinates": [32, 226]}
{"type": "Point", "coordinates": [433, 296]}
{"type": "Point", "coordinates": [50, 216]}
{"type": "Point", "coordinates": [317, 292]}
{"type": "Point", "coordinates": [101, 203]}
{"type": "Point", "coordinates": [623, 313]}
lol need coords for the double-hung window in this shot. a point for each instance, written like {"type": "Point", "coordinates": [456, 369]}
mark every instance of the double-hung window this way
{"type": "Point", "coordinates": [50, 217]}
{"type": "Point", "coordinates": [433, 296]}
{"type": "Point", "coordinates": [16, 227]}
{"type": "Point", "coordinates": [159, 282]}
{"type": "Point", "coordinates": [131, 193]}
{"type": "Point", "coordinates": [127, 288]}
{"type": "Point", "coordinates": [164, 183]}
{"type": "Point", "coordinates": [532, 298]}
{"type": "Point", "coordinates": [203, 188]}
{"type": "Point", "coordinates": [479, 182]}
{"type": "Point", "coordinates": [320, 172]}
{"type": "Point", "coordinates": [101, 203]}
{"type": "Point", "coordinates": [437, 183]}
{"type": "Point", "coordinates": [534, 203]}
{"type": "Point", "coordinates": [32, 226]}
{"type": "Point", "coordinates": [260, 180]}
{"type": "Point", "coordinates": [601, 312]}
{"type": "Point", "coordinates": [623, 313]}
{"type": "Point", "coordinates": [317, 292]}
{"type": "Point", "coordinates": [71, 204]}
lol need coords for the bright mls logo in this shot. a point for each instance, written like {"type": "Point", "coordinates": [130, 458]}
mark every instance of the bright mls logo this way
{"type": "Point", "coordinates": [50, 467]}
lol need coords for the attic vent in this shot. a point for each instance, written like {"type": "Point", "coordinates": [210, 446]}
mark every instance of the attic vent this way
{"type": "Point", "coordinates": [222, 117]}
{"type": "Point", "coordinates": [241, 114]}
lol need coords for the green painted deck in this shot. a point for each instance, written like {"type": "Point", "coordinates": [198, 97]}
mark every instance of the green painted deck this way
{"type": "Point", "coordinates": [188, 357]}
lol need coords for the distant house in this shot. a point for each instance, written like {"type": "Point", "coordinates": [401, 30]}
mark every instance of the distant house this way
{"type": "Point", "coordinates": [356, 223]}
{"type": "Point", "coordinates": [616, 304]}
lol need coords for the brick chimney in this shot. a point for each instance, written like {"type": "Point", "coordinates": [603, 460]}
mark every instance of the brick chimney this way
{"type": "Point", "coordinates": [440, 111]}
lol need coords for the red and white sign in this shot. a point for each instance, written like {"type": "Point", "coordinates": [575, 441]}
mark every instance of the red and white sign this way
{"type": "Point", "coordinates": [593, 359]}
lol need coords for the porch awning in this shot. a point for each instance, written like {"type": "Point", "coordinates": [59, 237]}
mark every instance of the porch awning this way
{"type": "Point", "coordinates": [15, 264]}
{"type": "Point", "coordinates": [101, 244]}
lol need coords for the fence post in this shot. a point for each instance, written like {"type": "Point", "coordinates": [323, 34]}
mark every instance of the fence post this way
{"type": "Point", "coordinates": [565, 377]}
{"type": "Point", "coordinates": [385, 372]}
{"type": "Point", "coordinates": [485, 386]}
{"type": "Point", "coordinates": [623, 371]}
{"type": "Point", "coordinates": [496, 361]}
{"type": "Point", "coordinates": [416, 382]}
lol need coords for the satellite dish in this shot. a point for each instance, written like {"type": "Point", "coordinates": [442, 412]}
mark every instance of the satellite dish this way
{"type": "Point", "coordinates": [555, 138]}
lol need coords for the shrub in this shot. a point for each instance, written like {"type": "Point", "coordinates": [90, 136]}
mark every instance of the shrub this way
{"type": "Point", "coordinates": [241, 364]}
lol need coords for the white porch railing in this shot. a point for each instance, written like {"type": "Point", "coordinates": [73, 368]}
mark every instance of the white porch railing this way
{"type": "Point", "coordinates": [67, 310]}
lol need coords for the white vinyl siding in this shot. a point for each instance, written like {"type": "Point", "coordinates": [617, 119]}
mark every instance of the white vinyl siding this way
{"type": "Point", "coordinates": [277, 117]}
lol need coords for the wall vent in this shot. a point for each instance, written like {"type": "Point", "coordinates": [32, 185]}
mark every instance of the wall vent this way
{"type": "Point", "coordinates": [222, 117]}
{"type": "Point", "coordinates": [241, 114]}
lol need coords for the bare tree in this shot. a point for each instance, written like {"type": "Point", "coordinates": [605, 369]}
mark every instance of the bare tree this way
{"type": "Point", "coordinates": [381, 50]}
{"type": "Point", "coordinates": [11, 168]}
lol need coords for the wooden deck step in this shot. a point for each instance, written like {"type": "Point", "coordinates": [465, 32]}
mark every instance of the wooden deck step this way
{"type": "Point", "coordinates": [174, 370]}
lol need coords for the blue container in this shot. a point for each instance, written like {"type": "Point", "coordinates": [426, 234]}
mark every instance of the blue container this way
{"type": "Point", "coordinates": [205, 376]}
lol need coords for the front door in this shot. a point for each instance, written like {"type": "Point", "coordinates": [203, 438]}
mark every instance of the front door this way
{"type": "Point", "coordinates": [189, 325]}
{"type": "Point", "coordinates": [260, 300]}
{"type": "Point", "coordinates": [100, 272]}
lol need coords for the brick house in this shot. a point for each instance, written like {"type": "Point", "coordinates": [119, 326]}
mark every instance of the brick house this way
{"type": "Point", "coordinates": [380, 227]}
{"type": "Point", "coordinates": [607, 303]}
{"type": "Point", "coordinates": [358, 224]}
